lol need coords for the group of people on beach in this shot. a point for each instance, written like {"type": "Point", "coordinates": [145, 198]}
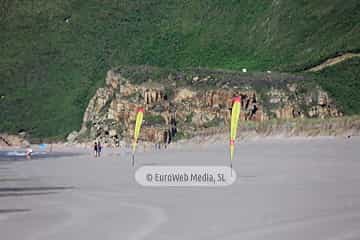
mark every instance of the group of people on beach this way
{"type": "Point", "coordinates": [97, 149]}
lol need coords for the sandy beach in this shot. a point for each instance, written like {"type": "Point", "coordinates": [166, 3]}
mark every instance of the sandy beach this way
{"type": "Point", "coordinates": [286, 188]}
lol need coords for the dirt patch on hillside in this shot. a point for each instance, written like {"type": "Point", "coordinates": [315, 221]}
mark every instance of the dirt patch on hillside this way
{"type": "Point", "coordinates": [332, 61]}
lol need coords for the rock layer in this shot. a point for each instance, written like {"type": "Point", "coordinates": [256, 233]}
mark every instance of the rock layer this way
{"type": "Point", "coordinates": [172, 111]}
{"type": "Point", "coordinates": [8, 140]}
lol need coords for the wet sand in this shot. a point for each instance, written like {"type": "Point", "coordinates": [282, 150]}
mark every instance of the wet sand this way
{"type": "Point", "coordinates": [20, 155]}
{"type": "Point", "coordinates": [286, 189]}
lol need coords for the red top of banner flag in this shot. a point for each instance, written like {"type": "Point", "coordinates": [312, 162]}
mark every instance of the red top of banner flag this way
{"type": "Point", "coordinates": [236, 99]}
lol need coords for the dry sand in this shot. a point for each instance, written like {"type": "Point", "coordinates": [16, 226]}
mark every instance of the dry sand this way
{"type": "Point", "coordinates": [294, 188]}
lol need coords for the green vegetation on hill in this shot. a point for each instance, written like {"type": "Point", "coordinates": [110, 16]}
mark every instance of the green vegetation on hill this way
{"type": "Point", "coordinates": [54, 54]}
{"type": "Point", "coordinates": [343, 84]}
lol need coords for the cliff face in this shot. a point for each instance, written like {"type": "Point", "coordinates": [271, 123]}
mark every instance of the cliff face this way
{"type": "Point", "coordinates": [174, 111]}
{"type": "Point", "coordinates": [7, 140]}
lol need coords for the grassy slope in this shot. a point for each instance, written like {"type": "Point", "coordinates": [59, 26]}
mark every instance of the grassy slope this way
{"type": "Point", "coordinates": [49, 68]}
{"type": "Point", "coordinates": [343, 84]}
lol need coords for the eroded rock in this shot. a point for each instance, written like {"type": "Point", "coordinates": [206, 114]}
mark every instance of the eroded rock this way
{"type": "Point", "coordinates": [110, 115]}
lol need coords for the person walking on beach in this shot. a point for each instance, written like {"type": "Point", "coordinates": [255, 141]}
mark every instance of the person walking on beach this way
{"type": "Point", "coordinates": [98, 148]}
{"type": "Point", "coordinates": [95, 149]}
{"type": "Point", "coordinates": [28, 152]}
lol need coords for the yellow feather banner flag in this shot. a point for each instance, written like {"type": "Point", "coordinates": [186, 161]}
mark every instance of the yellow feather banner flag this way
{"type": "Point", "coordinates": [235, 114]}
{"type": "Point", "coordinates": [139, 119]}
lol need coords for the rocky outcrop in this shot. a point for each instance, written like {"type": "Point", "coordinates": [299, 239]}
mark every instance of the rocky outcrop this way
{"type": "Point", "coordinates": [184, 94]}
{"type": "Point", "coordinates": [110, 115]}
{"type": "Point", "coordinates": [8, 140]}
